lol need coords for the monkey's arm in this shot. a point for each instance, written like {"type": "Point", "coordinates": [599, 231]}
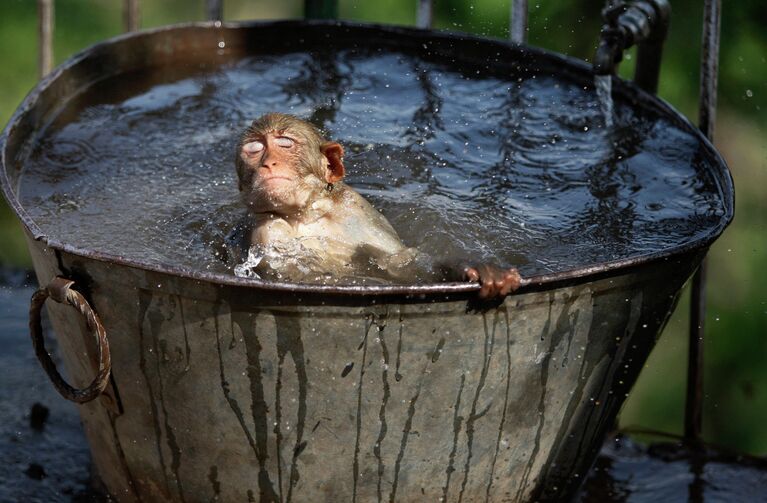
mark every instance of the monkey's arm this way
{"type": "Point", "coordinates": [410, 264]}
{"type": "Point", "coordinates": [400, 263]}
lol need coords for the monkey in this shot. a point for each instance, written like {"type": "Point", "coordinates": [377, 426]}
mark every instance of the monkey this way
{"type": "Point", "coordinates": [305, 220]}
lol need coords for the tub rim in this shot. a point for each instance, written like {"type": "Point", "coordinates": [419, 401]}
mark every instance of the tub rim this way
{"type": "Point", "coordinates": [627, 90]}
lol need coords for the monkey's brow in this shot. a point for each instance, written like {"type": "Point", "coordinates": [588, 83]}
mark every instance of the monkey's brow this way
{"type": "Point", "coordinates": [261, 134]}
{"type": "Point", "coordinates": [290, 133]}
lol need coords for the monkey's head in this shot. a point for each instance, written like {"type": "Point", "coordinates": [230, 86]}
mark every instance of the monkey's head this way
{"type": "Point", "coordinates": [283, 164]}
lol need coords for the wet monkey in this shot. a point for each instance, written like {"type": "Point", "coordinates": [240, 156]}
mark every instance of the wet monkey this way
{"type": "Point", "coordinates": [291, 180]}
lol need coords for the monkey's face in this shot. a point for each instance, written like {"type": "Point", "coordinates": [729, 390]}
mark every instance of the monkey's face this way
{"type": "Point", "coordinates": [284, 164]}
{"type": "Point", "coordinates": [276, 177]}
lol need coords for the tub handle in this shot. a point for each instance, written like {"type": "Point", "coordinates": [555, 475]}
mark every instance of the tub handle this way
{"type": "Point", "coordinates": [59, 289]}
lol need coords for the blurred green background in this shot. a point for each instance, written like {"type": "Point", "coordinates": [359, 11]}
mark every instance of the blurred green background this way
{"type": "Point", "coordinates": [736, 335]}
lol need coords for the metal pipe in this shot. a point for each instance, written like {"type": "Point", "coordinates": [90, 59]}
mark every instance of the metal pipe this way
{"type": "Point", "coordinates": [518, 24]}
{"type": "Point", "coordinates": [45, 25]}
{"type": "Point", "coordinates": [131, 15]}
{"type": "Point", "coordinates": [709, 70]}
{"type": "Point", "coordinates": [650, 50]}
{"type": "Point", "coordinates": [321, 9]}
{"type": "Point", "coordinates": [641, 22]}
{"type": "Point", "coordinates": [214, 10]}
{"type": "Point", "coordinates": [425, 14]}
{"type": "Point", "coordinates": [693, 410]}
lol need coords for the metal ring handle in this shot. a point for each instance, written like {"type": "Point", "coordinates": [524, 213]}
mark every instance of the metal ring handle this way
{"type": "Point", "coordinates": [59, 289]}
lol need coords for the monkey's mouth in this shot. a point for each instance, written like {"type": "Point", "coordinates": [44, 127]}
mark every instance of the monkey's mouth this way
{"type": "Point", "coordinates": [270, 178]}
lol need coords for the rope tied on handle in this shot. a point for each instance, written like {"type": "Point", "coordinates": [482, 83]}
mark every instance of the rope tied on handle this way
{"type": "Point", "coordinates": [60, 290]}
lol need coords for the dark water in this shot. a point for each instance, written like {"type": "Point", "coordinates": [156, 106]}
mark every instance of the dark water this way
{"type": "Point", "coordinates": [518, 170]}
{"type": "Point", "coordinates": [626, 472]}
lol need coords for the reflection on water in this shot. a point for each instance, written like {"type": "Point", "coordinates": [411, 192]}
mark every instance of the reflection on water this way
{"type": "Point", "coordinates": [518, 169]}
{"type": "Point", "coordinates": [628, 473]}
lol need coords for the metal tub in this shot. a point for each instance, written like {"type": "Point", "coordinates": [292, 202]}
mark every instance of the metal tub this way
{"type": "Point", "coordinates": [243, 390]}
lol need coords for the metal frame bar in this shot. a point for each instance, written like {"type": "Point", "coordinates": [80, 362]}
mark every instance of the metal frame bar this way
{"type": "Point", "coordinates": [425, 14]}
{"type": "Point", "coordinates": [650, 50]}
{"type": "Point", "coordinates": [131, 15]}
{"type": "Point", "coordinates": [709, 71]}
{"type": "Point", "coordinates": [45, 24]}
{"type": "Point", "coordinates": [518, 23]}
{"type": "Point", "coordinates": [214, 10]}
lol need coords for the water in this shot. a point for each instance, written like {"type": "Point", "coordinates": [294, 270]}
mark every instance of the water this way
{"type": "Point", "coordinates": [604, 86]}
{"type": "Point", "coordinates": [519, 169]}
{"type": "Point", "coordinates": [626, 472]}
{"type": "Point", "coordinates": [247, 269]}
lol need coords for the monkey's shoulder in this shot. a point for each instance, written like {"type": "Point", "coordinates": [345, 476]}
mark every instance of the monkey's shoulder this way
{"type": "Point", "coordinates": [265, 230]}
{"type": "Point", "coordinates": [273, 230]}
{"type": "Point", "coordinates": [362, 211]}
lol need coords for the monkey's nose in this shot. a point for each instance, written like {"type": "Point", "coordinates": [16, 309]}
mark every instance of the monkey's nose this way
{"type": "Point", "coordinates": [268, 163]}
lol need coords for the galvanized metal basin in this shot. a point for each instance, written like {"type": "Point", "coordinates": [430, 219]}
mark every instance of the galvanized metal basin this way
{"type": "Point", "coordinates": [244, 390]}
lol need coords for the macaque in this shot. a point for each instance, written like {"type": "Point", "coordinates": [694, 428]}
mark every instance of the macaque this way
{"type": "Point", "coordinates": [306, 220]}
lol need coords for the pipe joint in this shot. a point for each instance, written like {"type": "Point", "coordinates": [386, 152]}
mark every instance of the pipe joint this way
{"type": "Point", "coordinates": [628, 23]}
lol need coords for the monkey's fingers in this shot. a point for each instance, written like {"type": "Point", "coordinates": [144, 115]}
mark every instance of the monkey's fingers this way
{"type": "Point", "coordinates": [471, 274]}
{"type": "Point", "coordinates": [491, 281]}
{"type": "Point", "coordinates": [511, 281]}
{"type": "Point", "coordinates": [494, 282]}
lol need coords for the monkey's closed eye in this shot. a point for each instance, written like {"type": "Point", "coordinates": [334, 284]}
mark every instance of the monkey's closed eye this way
{"type": "Point", "coordinates": [253, 147]}
{"type": "Point", "coordinates": [284, 141]}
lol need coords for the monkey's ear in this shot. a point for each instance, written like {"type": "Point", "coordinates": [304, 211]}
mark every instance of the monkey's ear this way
{"type": "Point", "coordinates": [334, 153]}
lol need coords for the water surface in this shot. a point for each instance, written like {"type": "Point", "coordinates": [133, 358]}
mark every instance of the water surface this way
{"type": "Point", "coordinates": [519, 170]}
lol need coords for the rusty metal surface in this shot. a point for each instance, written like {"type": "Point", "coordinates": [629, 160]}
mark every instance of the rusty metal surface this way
{"type": "Point", "coordinates": [60, 290]}
{"type": "Point", "coordinates": [238, 393]}
{"type": "Point", "coordinates": [194, 42]}
{"type": "Point", "coordinates": [46, 457]}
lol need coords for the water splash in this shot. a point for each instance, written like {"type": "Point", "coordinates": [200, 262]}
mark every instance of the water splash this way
{"type": "Point", "coordinates": [604, 87]}
{"type": "Point", "coordinates": [248, 268]}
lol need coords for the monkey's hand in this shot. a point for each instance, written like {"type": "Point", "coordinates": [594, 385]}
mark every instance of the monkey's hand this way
{"type": "Point", "coordinates": [495, 282]}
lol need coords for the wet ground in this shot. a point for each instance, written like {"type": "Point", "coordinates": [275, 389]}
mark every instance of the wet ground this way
{"type": "Point", "coordinates": [44, 454]}
{"type": "Point", "coordinates": [45, 457]}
